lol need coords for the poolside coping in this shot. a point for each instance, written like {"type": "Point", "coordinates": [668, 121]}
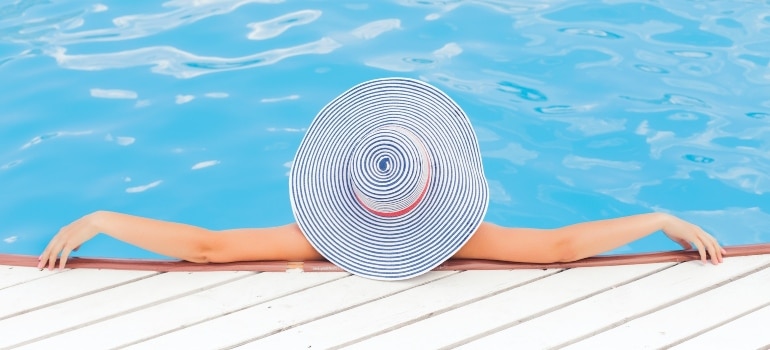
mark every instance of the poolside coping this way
{"type": "Point", "coordinates": [321, 266]}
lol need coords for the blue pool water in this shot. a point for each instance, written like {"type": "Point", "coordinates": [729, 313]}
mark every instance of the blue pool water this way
{"type": "Point", "coordinates": [192, 110]}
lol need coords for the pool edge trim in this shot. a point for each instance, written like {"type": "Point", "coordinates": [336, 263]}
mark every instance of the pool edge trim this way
{"type": "Point", "coordinates": [320, 266]}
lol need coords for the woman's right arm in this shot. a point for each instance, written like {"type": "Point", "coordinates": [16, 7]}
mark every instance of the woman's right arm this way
{"type": "Point", "coordinates": [181, 241]}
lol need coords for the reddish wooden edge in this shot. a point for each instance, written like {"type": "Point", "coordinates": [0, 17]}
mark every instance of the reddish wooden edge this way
{"type": "Point", "coordinates": [317, 266]}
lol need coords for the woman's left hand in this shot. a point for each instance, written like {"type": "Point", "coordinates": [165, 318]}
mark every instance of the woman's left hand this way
{"type": "Point", "coordinates": [68, 239]}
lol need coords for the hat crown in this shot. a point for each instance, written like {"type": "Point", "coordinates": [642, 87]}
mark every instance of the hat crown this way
{"type": "Point", "coordinates": [390, 171]}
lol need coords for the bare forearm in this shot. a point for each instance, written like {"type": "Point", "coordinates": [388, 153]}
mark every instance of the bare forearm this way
{"type": "Point", "coordinates": [568, 243]}
{"type": "Point", "coordinates": [167, 238]}
{"type": "Point", "coordinates": [596, 237]}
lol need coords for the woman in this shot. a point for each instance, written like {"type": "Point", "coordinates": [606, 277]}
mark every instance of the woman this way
{"type": "Point", "coordinates": [387, 184]}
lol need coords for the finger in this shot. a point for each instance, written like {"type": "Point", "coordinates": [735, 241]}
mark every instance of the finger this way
{"type": "Point", "coordinates": [57, 247]}
{"type": "Point", "coordinates": [701, 250]}
{"type": "Point", "coordinates": [42, 258]}
{"type": "Point", "coordinates": [52, 258]}
{"type": "Point", "coordinates": [720, 250]}
{"type": "Point", "coordinates": [59, 243]}
{"type": "Point", "coordinates": [40, 261]}
{"type": "Point", "coordinates": [713, 252]}
{"type": "Point", "coordinates": [63, 258]}
{"type": "Point", "coordinates": [46, 253]}
{"type": "Point", "coordinates": [714, 249]}
{"type": "Point", "coordinates": [46, 256]}
{"type": "Point", "coordinates": [51, 261]}
{"type": "Point", "coordinates": [49, 252]}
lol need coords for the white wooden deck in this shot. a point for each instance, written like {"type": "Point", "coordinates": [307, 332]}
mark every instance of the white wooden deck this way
{"type": "Point", "coordinates": [685, 306]}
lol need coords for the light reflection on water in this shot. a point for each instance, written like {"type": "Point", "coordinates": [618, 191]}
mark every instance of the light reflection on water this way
{"type": "Point", "coordinates": [191, 111]}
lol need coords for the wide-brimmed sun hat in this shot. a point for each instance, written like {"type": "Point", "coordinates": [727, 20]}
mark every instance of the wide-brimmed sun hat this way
{"type": "Point", "coordinates": [388, 181]}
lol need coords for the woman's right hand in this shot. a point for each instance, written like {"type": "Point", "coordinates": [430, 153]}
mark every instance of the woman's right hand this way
{"type": "Point", "coordinates": [68, 239]}
{"type": "Point", "coordinates": [687, 234]}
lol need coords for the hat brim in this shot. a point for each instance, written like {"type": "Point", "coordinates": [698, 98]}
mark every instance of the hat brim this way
{"type": "Point", "coordinates": [446, 214]}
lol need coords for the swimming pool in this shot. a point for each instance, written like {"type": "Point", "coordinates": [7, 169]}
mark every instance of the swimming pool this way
{"type": "Point", "coordinates": [192, 111]}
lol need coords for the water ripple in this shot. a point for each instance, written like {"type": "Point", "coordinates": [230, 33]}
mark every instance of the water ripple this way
{"type": "Point", "coordinates": [274, 27]}
{"type": "Point", "coordinates": [698, 159]}
{"type": "Point", "coordinates": [752, 223]}
{"type": "Point", "coordinates": [500, 6]}
{"type": "Point", "coordinates": [142, 188]}
{"type": "Point", "coordinates": [181, 64]}
{"type": "Point", "coordinates": [514, 153]}
{"type": "Point", "coordinates": [279, 99]}
{"type": "Point", "coordinates": [671, 99]}
{"type": "Point", "coordinates": [142, 25]}
{"type": "Point", "coordinates": [120, 140]}
{"type": "Point", "coordinates": [372, 30]}
{"type": "Point", "coordinates": [205, 164]}
{"type": "Point", "coordinates": [564, 109]}
{"type": "Point", "coordinates": [650, 69]}
{"type": "Point", "coordinates": [493, 87]}
{"type": "Point", "coordinates": [22, 29]}
{"type": "Point", "coordinates": [23, 54]}
{"type": "Point", "coordinates": [523, 92]}
{"type": "Point", "coordinates": [680, 29]}
{"type": "Point", "coordinates": [690, 54]}
{"type": "Point", "coordinates": [597, 33]}
{"type": "Point", "coordinates": [448, 51]}
{"type": "Point", "coordinates": [408, 62]}
{"type": "Point", "coordinates": [583, 163]}
{"type": "Point", "coordinates": [590, 126]}
{"type": "Point", "coordinates": [52, 135]}
{"type": "Point", "coordinates": [216, 95]}
{"type": "Point", "coordinates": [745, 167]}
{"type": "Point", "coordinates": [182, 99]}
{"type": "Point", "coordinates": [692, 84]}
{"type": "Point", "coordinates": [114, 94]}
{"type": "Point", "coordinates": [696, 69]}
{"type": "Point", "coordinates": [10, 164]}
{"type": "Point", "coordinates": [17, 8]}
{"type": "Point", "coordinates": [758, 115]}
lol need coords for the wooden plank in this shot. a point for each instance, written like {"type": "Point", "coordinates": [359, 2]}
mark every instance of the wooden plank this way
{"type": "Point", "coordinates": [276, 315]}
{"type": "Point", "coordinates": [61, 286]}
{"type": "Point", "coordinates": [747, 332]}
{"type": "Point", "coordinates": [455, 326]}
{"type": "Point", "coordinates": [188, 310]}
{"type": "Point", "coordinates": [13, 275]}
{"type": "Point", "coordinates": [679, 321]}
{"type": "Point", "coordinates": [395, 310]}
{"type": "Point", "coordinates": [618, 305]}
{"type": "Point", "coordinates": [74, 313]}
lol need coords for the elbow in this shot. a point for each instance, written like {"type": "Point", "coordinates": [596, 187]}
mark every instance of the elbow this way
{"type": "Point", "coordinates": [565, 249]}
{"type": "Point", "coordinates": [206, 253]}
{"type": "Point", "coordinates": [199, 256]}
{"type": "Point", "coordinates": [203, 250]}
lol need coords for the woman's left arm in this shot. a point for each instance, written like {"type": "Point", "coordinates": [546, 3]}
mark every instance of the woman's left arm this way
{"type": "Point", "coordinates": [582, 240]}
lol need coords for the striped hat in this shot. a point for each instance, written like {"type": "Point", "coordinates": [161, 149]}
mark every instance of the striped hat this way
{"type": "Point", "coordinates": [388, 181]}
